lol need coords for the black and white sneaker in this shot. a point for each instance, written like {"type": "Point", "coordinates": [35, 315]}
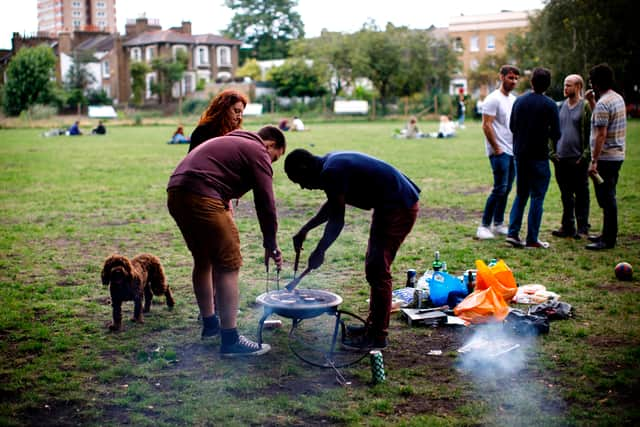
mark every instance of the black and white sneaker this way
{"type": "Point", "coordinates": [515, 241]}
{"type": "Point", "coordinates": [243, 347]}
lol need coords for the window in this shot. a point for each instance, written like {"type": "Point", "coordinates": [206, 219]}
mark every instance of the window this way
{"type": "Point", "coordinates": [105, 69]}
{"type": "Point", "coordinates": [151, 80]}
{"type": "Point", "coordinates": [100, 14]}
{"type": "Point", "coordinates": [474, 47]}
{"type": "Point", "coordinates": [76, 14]}
{"type": "Point", "coordinates": [100, 5]}
{"type": "Point", "coordinates": [457, 44]}
{"type": "Point", "coordinates": [76, 23]}
{"type": "Point", "coordinates": [75, 4]}
{"type": "Point", "coordinates": [473, 64]}
{"type": "Point", "coordinates": [136, 54]}
{"type": "Point", "coordinates": [203, 56]}
{"type": "Point", "coordinates": [224, 56]}
{"type": "Point", "coordinates": [491, 42]}
{"type": "Point", "coordinates": [149, 53]}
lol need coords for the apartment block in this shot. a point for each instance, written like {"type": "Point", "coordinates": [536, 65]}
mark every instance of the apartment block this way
{"type": "Point", "coordinates": [60, 16]}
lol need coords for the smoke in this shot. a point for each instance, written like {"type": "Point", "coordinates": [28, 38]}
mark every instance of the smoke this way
{"type": "Point", "coordinates": [506, 375]}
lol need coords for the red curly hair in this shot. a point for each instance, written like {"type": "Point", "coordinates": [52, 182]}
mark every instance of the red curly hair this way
{"type": "Point", "coordinates": [218, 115]}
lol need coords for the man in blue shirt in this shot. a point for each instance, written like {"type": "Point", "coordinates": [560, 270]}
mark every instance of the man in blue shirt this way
{"type": "Point", "coordinates": [75, 129]}
{"type": "Point", "coordinates": [356, 179]}
{"type": "Point", "coordinates": [534, 121]}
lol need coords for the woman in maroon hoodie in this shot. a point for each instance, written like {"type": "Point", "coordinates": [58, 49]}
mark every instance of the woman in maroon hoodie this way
{"type": "Point", "coordinates": [199, 191]}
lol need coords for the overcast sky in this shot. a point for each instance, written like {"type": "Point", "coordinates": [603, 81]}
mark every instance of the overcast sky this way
{"type": "Point", "coordinates": [211, 16]}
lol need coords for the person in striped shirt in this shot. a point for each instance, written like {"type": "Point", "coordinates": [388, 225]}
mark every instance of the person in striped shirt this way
{"type": "Point", "coordinates": [608, 133]}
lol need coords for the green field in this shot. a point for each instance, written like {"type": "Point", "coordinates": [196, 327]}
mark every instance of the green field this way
{"type": "Point", "coordinates": [67, 203]}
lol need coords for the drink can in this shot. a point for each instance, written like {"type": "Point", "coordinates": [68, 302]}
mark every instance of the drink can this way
{"type": "Point", "coordinates": [597, 179]}
{"type": "Point", "coordinates": [420, 298]}
{"type": "Point", "coordinates": [273, 324]}
{"type": "Point", "coordinates": [377, 366]}
{"type": "Point", "coordinates": [411, 278]}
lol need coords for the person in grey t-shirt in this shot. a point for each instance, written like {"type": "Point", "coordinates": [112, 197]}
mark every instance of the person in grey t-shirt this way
{"type": "Point", "coordinates": [571, 156]}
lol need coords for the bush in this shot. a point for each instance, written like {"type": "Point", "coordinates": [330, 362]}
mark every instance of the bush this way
{"type": "Point", "coordinates": [194, 106]}
{"type": "Point", "coordinates": [40, 111]}
{"type": "Point", "coordinates": [99, 97]}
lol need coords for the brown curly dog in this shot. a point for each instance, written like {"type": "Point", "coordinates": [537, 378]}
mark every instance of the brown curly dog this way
{"type": "Point", "coordinates": [142, 277]}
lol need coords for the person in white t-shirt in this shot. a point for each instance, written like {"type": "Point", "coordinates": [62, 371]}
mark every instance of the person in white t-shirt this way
{"type": "Point", "coordinates": [297, 124]}
{"type": "Point", "coordinates": [496, 112]}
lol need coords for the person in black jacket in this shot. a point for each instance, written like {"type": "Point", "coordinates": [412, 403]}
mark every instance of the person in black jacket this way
{"type": "Point", "coordinates": [534, 120]}
{"type": "Point", "coordinates": [223, 115]}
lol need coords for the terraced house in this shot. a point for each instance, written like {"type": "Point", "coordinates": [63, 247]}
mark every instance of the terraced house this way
{"type": "Point", "coordinates": [210, 57]}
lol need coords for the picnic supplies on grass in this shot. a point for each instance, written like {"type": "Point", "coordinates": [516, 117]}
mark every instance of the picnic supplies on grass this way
{"type": "Point", "coordinates": [482, 306]}
{"type": "Point", "coordinates": [499, 277]}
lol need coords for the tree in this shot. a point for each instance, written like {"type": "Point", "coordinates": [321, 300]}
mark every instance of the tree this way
{"type": "Point", "coordinates": [486, 74]}
{"type": "Point", "coordinates": [401, 62]}
{"type": "Point", "coordinates": [78, 79]}
{"type": "Point", "coordinates": [29, 79]}
{"type": "Point", "coordinates": [332, 54]}
{"type": "Point", "coordinates": [138, 71]}
{"type": "Point", "coordinates": [377, 59]}
{"type": "Point", "coordinates": [570, 36]}
{"type": "Point", "coordinates": [295, 78]}
{"type": "Point", "coordinates": [265, 25]}
{"type": "Point", "coordinates": [170, 71]}
{"type": "Point", "coordinates": [251, 69]}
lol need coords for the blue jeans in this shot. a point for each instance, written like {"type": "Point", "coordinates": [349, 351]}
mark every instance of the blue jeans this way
{"type": "Point", "coordinates": [503, 175]}
{"type": "Point", "coordinates": [532, 181]}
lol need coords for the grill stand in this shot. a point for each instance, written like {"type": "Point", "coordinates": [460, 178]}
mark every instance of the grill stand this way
{"type": "Point", "coordinates": [329, 357]}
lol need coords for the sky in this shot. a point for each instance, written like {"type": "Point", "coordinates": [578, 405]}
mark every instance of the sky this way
{"type": "Point", "coordinates": [211, 16]}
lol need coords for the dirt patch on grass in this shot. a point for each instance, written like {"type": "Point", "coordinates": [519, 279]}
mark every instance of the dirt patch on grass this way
{"type": "Point", "coordinates": [447, 214]}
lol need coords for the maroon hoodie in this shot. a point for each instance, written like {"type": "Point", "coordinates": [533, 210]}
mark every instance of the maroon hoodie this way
{"type": "Point", "coordinates": [226, 168]}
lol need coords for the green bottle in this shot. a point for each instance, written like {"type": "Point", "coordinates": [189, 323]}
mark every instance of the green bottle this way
{"type": "Point", "coordinates": [436, 265]}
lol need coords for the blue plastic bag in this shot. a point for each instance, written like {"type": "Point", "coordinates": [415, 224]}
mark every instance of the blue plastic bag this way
{"type": "Point", "coordinates": [441, 284]}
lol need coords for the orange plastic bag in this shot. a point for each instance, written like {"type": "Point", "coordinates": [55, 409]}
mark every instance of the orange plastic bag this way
{"type": "Point", "coordinates": [499, 277]}
{"type": "Point", "coordinates": [482, 306]}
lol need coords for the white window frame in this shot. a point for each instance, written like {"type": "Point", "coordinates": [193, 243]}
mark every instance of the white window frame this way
{"type": "Point", "coordinates": [136, 54]}
{"type": "Point", "coordinates": [106, 68]}
{"type": "Point", "coordinates": [223, 54]}
{"type": "Point", "coordinates": [474, 44]}
{"type": "Point", "coordinates": [149, 53]}
{"type": "Point", "coordinates": [202, 55]}
{"type": "Point", "coordinates": [149, 79]}
{"type": "Point", "coordinates": [457, 44]}
{"type": "Point", "coordinates": [491, 42]}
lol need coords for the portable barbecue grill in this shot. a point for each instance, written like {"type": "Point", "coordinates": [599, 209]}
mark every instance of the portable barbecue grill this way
{"type": "Point", "coordinates": [304, 305]}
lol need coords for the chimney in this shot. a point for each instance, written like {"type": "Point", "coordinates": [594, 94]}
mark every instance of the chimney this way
{"type": "Point", "coordinates": [186, 27]}
{"type": "Point", "coordinates": [64, 43]}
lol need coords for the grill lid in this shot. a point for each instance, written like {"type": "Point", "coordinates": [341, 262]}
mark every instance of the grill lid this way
{"type": "Point", "coordinates": [300, 300]}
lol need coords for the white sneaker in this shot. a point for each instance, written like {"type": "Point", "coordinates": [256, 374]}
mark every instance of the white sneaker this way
{"type": "Point", "coordinates": [484, 233]}
{"type": "Point", "coordinates": [501, 229]}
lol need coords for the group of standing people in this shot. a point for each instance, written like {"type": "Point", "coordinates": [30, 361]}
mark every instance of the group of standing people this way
{"type": "Point", "coordinates": [583, 138]}
{"type": "Point", "coordinates": [224, 162]}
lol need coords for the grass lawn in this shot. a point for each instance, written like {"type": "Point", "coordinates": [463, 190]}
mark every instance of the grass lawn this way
{"type": "Point", "coordinates": [66, 203]}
